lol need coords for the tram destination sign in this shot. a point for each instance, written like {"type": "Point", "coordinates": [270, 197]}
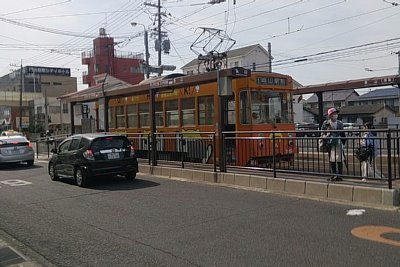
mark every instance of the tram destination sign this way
{"type": "Point", "coordinates": [271, 81]}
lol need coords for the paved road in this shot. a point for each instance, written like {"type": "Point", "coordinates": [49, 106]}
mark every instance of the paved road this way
{"type": "Point", "coordinates": [160, 222]}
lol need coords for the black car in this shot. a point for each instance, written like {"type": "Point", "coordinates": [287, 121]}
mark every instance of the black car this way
{"type": "Point", "coordinates": [307, 129]}
{"type": "Point", "coordinates": [85, 156]}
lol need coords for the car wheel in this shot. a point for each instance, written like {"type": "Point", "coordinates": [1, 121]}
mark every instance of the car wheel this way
{"type": "Point", "coordinates": [30, 163]}
{"type": "Point", "coordinates": [130, 176]}
{"type": "Point", "coordinates": [52, 173]}
{"type": "Point", "coordinates": [80, 178]}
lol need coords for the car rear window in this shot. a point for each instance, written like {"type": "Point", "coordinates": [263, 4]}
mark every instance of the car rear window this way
{"type": "Point", "coordinates": [109, 142]}
{"type": "Point", "coordinates": [11, 142]}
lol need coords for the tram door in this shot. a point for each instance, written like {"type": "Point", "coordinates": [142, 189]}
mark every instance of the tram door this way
{"type": "Point", "coordinates": [230, 127]}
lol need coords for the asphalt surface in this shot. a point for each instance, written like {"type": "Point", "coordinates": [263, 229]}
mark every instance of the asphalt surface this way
{"type": "Point", "coordinates": [160, 222]}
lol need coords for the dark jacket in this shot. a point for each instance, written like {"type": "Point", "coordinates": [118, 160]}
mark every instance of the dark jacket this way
{"type": "Point", "coordinates": [340, 126]}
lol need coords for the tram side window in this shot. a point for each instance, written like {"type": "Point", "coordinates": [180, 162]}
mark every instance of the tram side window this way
{"type": "Point", "coordinates": [171, 106]}
{"type": "Point", "coordinates": [206, 110]}
{"type": "Point", "coordinates": [270, 107]}
{"type": "Point", "coordinates": [244, 108]}
{"type": "Point", "coordinates": [144, 118]}
{"type": "Point", "coordinates": [120, 116]}
{"type": "Point", "coordinates": [188, 111]}
{"type": "Point", "coordinates": [111, 117]}
{"type": "Point", "coordinates": [131, 110]}
{"type": "Point", "coordinates": [159, 114]}
{"type": "Point", "coordinates": [231, 110]}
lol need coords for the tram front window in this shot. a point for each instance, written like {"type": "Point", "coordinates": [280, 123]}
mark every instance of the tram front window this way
{"type": "Point", "coordinates": [270, 107]}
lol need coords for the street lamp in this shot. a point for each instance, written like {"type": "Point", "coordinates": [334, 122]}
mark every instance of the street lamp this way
{"type": "Point", "coordinates": [153, 128]}
{"type": "Point", "coordinates": [146, 45]}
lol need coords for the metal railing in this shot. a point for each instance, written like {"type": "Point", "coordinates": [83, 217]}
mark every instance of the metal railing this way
{"type": "Point", "coordinates": [186, 148]}
{"type": "Point", "coordinates": [274, 152]}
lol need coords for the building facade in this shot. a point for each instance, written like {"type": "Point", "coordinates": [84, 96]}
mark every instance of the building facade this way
{"type": "Point", "coordinates": [104, 58]}
{"type": "Point", "coordinates": [253, 57]}
{"type": "Point", "coordinates": [40, 88]}
{"type": "Point", "coordinates": [336, 99]}
{"type": "Point", "coordinates": [390, 96]}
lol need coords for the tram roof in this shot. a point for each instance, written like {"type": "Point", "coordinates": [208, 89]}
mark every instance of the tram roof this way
{"type": "Point", "coordinates": [113, 87]}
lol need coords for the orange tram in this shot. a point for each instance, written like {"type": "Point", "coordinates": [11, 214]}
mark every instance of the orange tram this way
{"type": "Point", "coordinates": [259, 108]}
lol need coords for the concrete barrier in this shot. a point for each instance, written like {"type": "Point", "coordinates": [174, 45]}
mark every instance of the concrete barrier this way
{"type": "Point", "coordinates": [355, 194]}
{"type": "Point", "coordinates": [295, 187]}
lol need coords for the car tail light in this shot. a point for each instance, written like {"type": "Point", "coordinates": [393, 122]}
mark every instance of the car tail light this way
{"type": "Point", "coordinates": [29, 144]}
{"type": "Point", "coordinates": [132, 149]}
{"type": "Point", "coordinates": [88, 154]}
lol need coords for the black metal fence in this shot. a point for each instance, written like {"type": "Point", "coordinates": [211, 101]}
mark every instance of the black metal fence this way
{"type": "Point", "coordinates": [279, 151]}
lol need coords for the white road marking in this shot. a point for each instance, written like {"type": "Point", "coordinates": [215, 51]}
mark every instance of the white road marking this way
{"type": "Point", "coordinates": [15, 182]}
{"type": "Point", "coordinates": [355, 212]}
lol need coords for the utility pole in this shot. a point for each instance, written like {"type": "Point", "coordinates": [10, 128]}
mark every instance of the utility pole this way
{"type": "Point", "coordinates": [146, 46]}
{"type": "Point", "coordinates": [20, 98]}
{"type": "Point", "coordinates": [153, 126]}
{"type": "Point", "coordinates": [159, 36]}
{"type": "Point", "coordinates": [398, 86]}
{"type": "Point", "coordinates": [46, 114]}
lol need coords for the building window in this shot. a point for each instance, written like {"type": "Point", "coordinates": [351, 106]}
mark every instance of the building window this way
{"type": "Point", "coordinates": [57, 83]}
{"type": "Point", "coordinates": [189, 72]}
{"type": "Point", "coordinates": [171, 107]}
{"type": "Point", "coordinates": [188, 111]}
{"type": "Point", "coordinates": [96, 68]}
{"type": "Point", "coordinates": [54, 109]}
{"type": "Point", "coordinates": [206, 110]}
{"type": "Point", "coordinates": [120, 116]}
{"type": "Point", "coordinates": [65, 108]}
{"type": "Point", "coordinates": [144, 118]}
{"type": "Point", "coordinates": [234, 64]}
{"type": "Point", "coordinates": [132, 116]}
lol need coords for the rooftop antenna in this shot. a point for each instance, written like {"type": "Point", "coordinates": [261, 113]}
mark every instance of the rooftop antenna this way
{"type": "Point", "coordinates": [208, 48]}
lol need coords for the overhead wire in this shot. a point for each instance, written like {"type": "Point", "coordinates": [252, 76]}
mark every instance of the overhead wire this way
{"type": "Point", "coordinates": [112, 20]}
{"type": "Point", "coordinates": [35, 8]}
{"type": "Point", "coordinates": [95, 26]}
{"type": "Point", "coordinates": [358, 15]}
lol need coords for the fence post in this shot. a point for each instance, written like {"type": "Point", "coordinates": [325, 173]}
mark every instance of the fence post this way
{"type": "Point", "coordinates": [37, 148]}
{"type": "Point", "coordinates": [273, 155]}
{"type": "Point", "coordinates": [182, 155]}
{"type": "Point", "coordinates": [148, 149]}
{"type": "Point", "coordinates": [214, 154]}
{"type": "Point", "coordinates": [222, 154]}
{"type": "Point", "coordinates": [389, 155]}
{"type": "Point", "coordinates": [48, 147]}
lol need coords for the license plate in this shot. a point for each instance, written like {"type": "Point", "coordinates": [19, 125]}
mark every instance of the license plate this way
{"type": "Point", "coordinates": [113, 155]}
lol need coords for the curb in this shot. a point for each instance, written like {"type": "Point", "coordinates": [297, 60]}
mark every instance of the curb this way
{"type": "Point", "coordinates": [381, 198]}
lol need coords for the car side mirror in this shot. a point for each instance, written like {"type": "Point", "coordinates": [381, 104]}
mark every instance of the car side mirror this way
{"type": "Point", "coordinates": [53, 150]}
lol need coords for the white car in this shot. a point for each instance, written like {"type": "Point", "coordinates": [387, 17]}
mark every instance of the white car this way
{"type": "Point", "coordinates": [351, 126]}
{"type": "Point", "coordinates": [16, 149]}
{"type": "Point", "coordinates": [11, 133]}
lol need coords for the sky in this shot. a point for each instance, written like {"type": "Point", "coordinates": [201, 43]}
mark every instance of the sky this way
{"type": "Point", "coordinates": [314, 41]}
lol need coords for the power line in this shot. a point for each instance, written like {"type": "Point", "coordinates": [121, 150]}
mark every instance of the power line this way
{"type": "Point", "coordinates": [35, 8]}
